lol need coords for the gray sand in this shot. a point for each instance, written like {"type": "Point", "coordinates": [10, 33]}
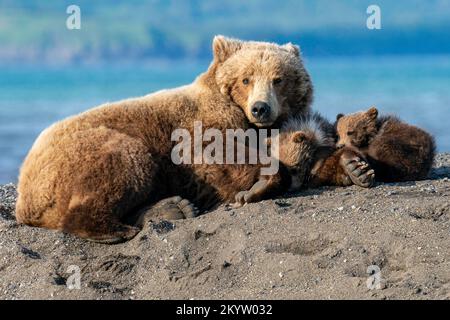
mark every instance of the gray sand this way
{"type": "Point", "coordinates": [314, 244]}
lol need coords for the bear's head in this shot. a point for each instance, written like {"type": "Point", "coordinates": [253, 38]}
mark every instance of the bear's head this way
{"type": "Point", "coordinates": [268, 81]}
{"type": "Point", "coordinates": [302, 141]}
{"type": "Point", "coordinates": [357, 129]}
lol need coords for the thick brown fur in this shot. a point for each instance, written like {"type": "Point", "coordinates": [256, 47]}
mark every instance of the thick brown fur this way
{"type": "Point", "coordinates": [396, 150]}
{"type": "Point", "coordinates": [87, 174]}
{"type": "Point", "coordinates": [309, 158]}
{"type": "Point", "coordinates": [308, 150]}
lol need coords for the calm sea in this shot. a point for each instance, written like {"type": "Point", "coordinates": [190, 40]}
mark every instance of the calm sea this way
{"type": "Point", "coordinates": [416, 88]}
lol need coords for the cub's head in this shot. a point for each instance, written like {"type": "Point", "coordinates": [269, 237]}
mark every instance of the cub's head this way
{"type": "Point", "coordinates": [301, 143]}
{"type": "Point", "coordinates": [268, 81]}
{"type": "Point", "coordinates": [357, 129]}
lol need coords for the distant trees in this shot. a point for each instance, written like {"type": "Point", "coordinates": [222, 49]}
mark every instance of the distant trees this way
{"type": "Point", "coordinates": [35, 31]}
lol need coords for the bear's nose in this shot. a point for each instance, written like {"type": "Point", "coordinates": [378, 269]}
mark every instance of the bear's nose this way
{"type": "Point", "coordinates": [260, 110]}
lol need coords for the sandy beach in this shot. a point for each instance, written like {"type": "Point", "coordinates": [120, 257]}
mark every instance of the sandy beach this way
{"type": "Point", "coordinates": [315, 244]}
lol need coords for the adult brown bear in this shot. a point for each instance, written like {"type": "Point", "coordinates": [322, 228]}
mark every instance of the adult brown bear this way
{"type": "Point", "coordinates": [86, 174]}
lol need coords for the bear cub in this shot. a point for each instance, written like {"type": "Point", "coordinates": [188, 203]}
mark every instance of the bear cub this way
{"type": "Point", "coordinates": [309, 158]}
{"type": "Point", "coordinates": [397, 151]}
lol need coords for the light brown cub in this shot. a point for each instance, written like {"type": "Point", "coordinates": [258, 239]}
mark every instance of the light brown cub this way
{"type": "Point", "coordinates": [309, 157]}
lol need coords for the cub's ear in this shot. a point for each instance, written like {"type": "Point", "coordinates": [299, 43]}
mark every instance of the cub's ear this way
{"type": "Point", "coordinates": [224, 47]}
{"type": "Point", "coordinates": [268, 141]}
{"type": "Point", "coordinates": [340, 115]}
{"type": "Point", "coordinates": [292, 48]}
{"type": "Point", "coordinates": [372, 113]}
{"type": "Point", "coordinates": [298, 137]}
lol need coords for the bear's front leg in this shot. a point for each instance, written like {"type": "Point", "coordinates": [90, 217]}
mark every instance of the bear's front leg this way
{"type": "Point", "coordinates": [343, 167]}
{"type": "Point", "coordinates": [265, 186]}
{"type": "Point", "coordinates": [253, 195]}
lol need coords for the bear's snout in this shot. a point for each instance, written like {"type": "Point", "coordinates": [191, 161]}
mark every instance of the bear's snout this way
{"type": "Point", "coordinates": [261, 111]}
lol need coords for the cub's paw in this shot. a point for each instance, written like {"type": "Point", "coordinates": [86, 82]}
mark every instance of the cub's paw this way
{"type": "Point", "coordinates": [358, 170]}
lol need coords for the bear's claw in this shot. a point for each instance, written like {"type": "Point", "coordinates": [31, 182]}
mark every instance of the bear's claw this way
{"type": "Point", "coordinates": [359, 171]}
{"type": "Point", "coordinates": [188, 209]}
{"type": "Point", "coordinates": [174, 208]}
{"type": "Point", "coordinates": [240, 199]}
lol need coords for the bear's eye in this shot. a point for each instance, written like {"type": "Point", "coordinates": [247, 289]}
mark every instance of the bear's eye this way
{"type": "Point", "coordinates": [246, 81]}
{"type": "Point", "coordinates": [277, 81]}
{"type": "Point", "coordinates": [350, 133]}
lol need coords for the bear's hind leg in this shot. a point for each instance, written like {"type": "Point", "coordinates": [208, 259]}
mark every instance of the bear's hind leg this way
{"type": "Point", "coordinates": [99, 228]}
{"type": "Point", "coordinates": [173, 208]}
{"type": "Point", "coordinates": [120, 233]}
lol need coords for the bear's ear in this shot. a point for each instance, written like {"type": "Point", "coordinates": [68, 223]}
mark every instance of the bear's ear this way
{"type": "Point", "coordinates": [372, 113]}
{"type": "Point", "coordinates": [298, 137]}
{"type": "Point", "coordinates": [292, 48]}
{"type": "Point", "coordinates": [224, 47]}
{"type": "Point", "coordinates": [340, 115]}
{"type": "Point", "coordinates": [268, 141]}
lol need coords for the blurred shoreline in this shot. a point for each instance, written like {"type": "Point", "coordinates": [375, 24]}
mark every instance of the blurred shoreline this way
{"type": "Point", "coordinates": [163, 63]}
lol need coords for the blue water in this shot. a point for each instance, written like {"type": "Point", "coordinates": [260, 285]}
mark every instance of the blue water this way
{"type": "Point", "coordinates": [417, 88]}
